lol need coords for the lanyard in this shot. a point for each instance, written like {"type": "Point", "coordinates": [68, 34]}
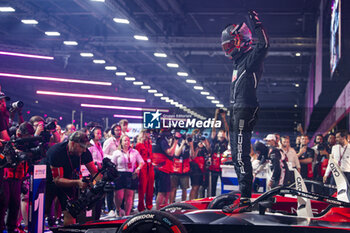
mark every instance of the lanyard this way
{"type": "Point", "coordinates": [128, 157]}
{"type": "Point", "coordinates": [341, 154]}
{"type": "Point", "coordinates": [71, 164]}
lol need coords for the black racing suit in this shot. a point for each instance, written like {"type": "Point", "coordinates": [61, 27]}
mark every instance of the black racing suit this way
{"type": "Point", "coordinates": [247, 71]}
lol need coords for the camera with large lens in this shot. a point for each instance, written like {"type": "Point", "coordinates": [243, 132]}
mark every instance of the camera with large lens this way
{"type": "Point", "coordinates": [221, 110]}
{"type": "Point", "coordinates": [46, 135]}
{"type": "Point", "coordinates": [89, 197]}
{"type": "Point", "coordinates": [16, 106]}
{"type": "Point", "coordinates": [189, 138]}
{"type": "Point", "coordinates": [24, 149]}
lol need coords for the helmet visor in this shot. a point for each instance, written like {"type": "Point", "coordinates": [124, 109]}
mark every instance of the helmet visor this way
{"type": "Point", "coordinates": [228, 45]}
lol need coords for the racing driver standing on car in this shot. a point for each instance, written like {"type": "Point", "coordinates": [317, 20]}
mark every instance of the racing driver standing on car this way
{"type": "Point", "coordinates": [236, 42]}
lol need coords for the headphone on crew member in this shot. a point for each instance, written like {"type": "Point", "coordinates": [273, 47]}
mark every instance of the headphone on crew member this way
{"type": "Point", "coordinates": [92, 132]}
{"type": "Point", "coordinates": [112, 128]}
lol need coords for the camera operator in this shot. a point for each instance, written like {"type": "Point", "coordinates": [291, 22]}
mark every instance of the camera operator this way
{"type": "Point", "coordinates": [4, 136]}
{"type": "Point", "coordinates": [162, 156]}
{"type": "Point", "coordinates": [55, 135]}
{"type": "Point", "coordinates": [45, 129]}
{"type": "Point", "coordinates": [69, 129]}
{"type": "Point", "coordinates": [14, 108]}
{"type": "Point", "coordinates": [65, 160]}
{"type": "Point", "coordinates": [181, 166]}
{"type": "Point", "coordinates": [277, 166]}
{"type": "Point", "coordinates": [198, 164]}
{"type": "Point", "coordinates": [219, 145]}
{"type": "Point", "coordinates": [11, 186]}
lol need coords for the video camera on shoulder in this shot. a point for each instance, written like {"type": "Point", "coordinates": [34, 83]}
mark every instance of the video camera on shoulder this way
{"type": "Point", "coordinates": [30, 150]}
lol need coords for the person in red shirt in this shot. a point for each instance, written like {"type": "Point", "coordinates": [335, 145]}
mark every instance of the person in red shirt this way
{"type": "Point", "coordinates": [11, 186]}
{"type": "Point", "coordinates": [146, 177]}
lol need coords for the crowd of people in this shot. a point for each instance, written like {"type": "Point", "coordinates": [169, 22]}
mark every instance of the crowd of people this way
{"type": "Point", "coordinates": [279, 158]}
{"type": "Point", "coordinates": [152, 164]}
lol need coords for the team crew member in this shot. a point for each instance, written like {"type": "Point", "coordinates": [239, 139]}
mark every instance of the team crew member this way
{"type": "Point", "coordinates": [112, 143]}
{"type": "Point", "coordinates": [162, 156]}
{"type": "Point", "coordinates": [260, 162]}
{"type": "Point", "coordinates": [146, 177]}
{"type": "Point", "coordinates": [109, 147]}
{"type": "Point", "coordinates": [292, 157]}
{"type": "Point", "coordinates": [124, 126]}
{"type": "Point", "coordinates": [11, 186]}
{"type": "Point", "coordinates": [198, 167]}
{"type": "Point", "coordinates": [219, 145]}
{"type": "Point", "coordinates": [126, 160]}
{"type": "Point", "coordinates": [65, 160]}
{"type": "Point", "coordinates": [181, 167]}
{"type": "Point", "coordinates": [306, 156]}
{"type": "Point", "coordinates": [277, 166]}
{"type": "Point", "coordinates": [341, 153]}
{"type": "Point", "coordinates": [247, 71]}
{"type": "Point", "coordinates": [96, 148]}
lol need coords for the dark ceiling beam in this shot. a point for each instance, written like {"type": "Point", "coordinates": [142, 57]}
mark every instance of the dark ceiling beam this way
{"type": "Point", "coordinates": [242, 12]}
{"type": "Point", "coordinates": [198, 42]}
{"type": "Point", "coordinates": [163, 4]}
{"type": "Point", "coordinates": [150, 13]}
{"type": "Point", "coordinates": [117, 7]}
{"type": "Point", "coordinates": [174, 4]}
{"type": "Point", "coordinates": [197, 24]}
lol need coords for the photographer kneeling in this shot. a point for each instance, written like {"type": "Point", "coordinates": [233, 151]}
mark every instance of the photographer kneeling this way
{"type": "Point", "coordinates": [65, 160]}
{"type": "Point", "coordinates": [11, 185]}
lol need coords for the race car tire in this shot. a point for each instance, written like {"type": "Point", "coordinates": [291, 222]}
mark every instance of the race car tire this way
{"type": "Point", "coordinates": [178, 206]}
{"type": "Point", "coordinates": [223, 200]}
{"type": "Point", "coordinates": [152, 221]}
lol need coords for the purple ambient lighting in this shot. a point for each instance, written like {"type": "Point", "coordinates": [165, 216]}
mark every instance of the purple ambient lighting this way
{"type": "Point", "coordinates": [25, 55]}
{"type": "Point", "coordinates": [88, 96]}
{"type": "Point", "coordinates": [55, 79]}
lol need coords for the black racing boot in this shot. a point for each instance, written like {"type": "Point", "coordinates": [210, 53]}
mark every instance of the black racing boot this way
{"type": "Point", "coordinates": [244, 203]}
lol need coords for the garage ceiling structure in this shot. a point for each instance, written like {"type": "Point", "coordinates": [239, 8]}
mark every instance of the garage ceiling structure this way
{"type": "Point", "coordinates": [187, 31]}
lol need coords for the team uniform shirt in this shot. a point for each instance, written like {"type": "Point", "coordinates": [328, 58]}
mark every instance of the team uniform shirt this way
{"type": "Point", "coordinates": [96, 152]}
{"type": "Point", "coordinates": [126, 162]}
{"type": "Point", "coordinates": [58, 157]}
{"type": "Point", "coordinates": [183, 158]}
{"type": "Point", "coordinates": [110, 146]}
{"type": "Point", "coordinates": [305, 168]}
{"type": "Point", "coordinates": [218, 147]}
{"type": "Point", "coordinates": [161, 146]}
{"type": "Point", "coordinates": [342, 156]}
{"type": "Point", "coordinates": [145, 150]}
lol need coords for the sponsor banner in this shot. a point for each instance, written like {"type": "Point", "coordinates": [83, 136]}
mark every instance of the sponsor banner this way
{"type": "Point", "coordinates": [37, 199]}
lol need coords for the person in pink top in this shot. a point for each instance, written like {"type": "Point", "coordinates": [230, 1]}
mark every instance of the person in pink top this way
{"type": "Point", "coordinates": [126, 160]}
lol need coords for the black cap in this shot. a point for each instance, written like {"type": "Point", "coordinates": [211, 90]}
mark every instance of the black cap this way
{"type": "Point", "coordinates": [81, 138]}
{"type": "Point", "coordinates": [2, 96]}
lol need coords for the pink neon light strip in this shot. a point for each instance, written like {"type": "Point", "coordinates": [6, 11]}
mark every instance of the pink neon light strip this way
{"type": "Point", "coordinates": [127, 116]}
{"type": "Point", "coordinates": [26, 55]}
{"type": "Point", "coordinates": [122, 108]}
{"type": "Point", "coordinates": [80, 95]}
{"type": "Point", "coordinates": [55, 79]}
